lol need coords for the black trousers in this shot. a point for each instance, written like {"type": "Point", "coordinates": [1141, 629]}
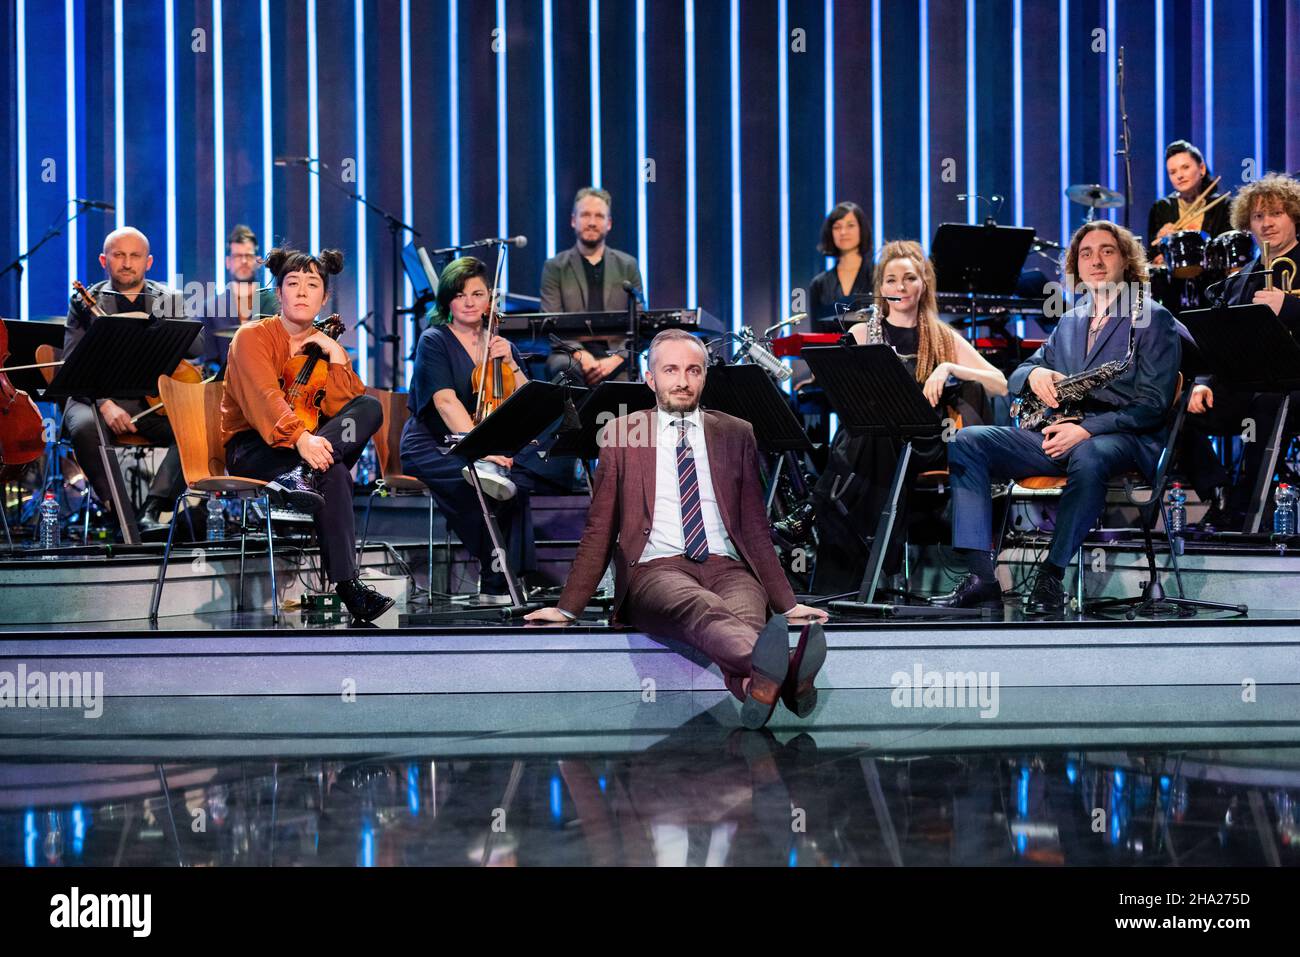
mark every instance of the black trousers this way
{"type": "Point", "coordinates": [79, 424]}
{"type": "Point", "coordinates": [348, 432]}
{"type": "Point", "coordinates": [1233, 411]}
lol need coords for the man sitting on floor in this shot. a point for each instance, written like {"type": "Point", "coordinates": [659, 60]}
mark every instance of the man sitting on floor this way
{"type": "Point", "coordinates": [694, 561]}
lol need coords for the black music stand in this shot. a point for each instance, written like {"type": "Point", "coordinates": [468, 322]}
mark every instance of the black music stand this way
{"type": "Point", "coordinates": [979, 260]}
{"type": "Point", "coordinates": [1249, 349]}
{"type": "Point", "coordinates": [874, 394]}
{"type": "Point", "coordinates": [608, 401]}
{"type": "Point", "coordinates": [524, 415]}
{"type": "Point", "coordinates": [121, 357]}
{"type": "Point", "coordinates": [24, 337]}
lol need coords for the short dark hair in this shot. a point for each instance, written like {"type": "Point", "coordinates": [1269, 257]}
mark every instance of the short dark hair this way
{"type": "Point", "coordinates": [826, 245]}
{"type": "Point", "coordinates": [593, 191]}
{"type": "Point", "coordinates": [452, 283]}
{"type": "Point", "coordinates": [282, 261]}
{"type": "Point", "coordinates": [1182, 146]}
{"type": "Point", "coordinates": [241, 234]}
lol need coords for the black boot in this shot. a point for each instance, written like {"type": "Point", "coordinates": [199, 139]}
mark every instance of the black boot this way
{"type": "Point", "coordinates": [297, 490]}
{"type": "Point", "coordinates": [364, 603]}
{"type": "Point", "coordinates": [1048, 596]}
{"type": "Point", "coordinates": [973, 591]}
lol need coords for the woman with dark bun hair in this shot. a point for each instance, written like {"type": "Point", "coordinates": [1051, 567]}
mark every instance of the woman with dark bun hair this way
{"type": "Point", "coordinates": [265, 439]}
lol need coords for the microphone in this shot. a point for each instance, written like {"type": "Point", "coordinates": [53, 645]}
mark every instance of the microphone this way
{"type": "Point", "coordinates": [632, 289]}
{"type": "Point", "coordinates": [294, 160]}
{"type": "Point", "coordinates": [96, 204]}
{"type": "Point", "coordinates": [770, 363]}
{"type": "Point", "coordinates": [519, 242]}
{"type": "Point", "coordinates": [797, 317]}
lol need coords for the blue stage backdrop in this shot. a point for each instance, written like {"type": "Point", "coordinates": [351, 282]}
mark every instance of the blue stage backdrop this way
{"type": "Point", "coordinates": [725, 129]}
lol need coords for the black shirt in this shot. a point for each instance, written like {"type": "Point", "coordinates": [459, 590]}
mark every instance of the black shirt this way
{"type": "Point", "coordinates": [825, 290]}
{"type": "Point", "coordinates": [595, 284]}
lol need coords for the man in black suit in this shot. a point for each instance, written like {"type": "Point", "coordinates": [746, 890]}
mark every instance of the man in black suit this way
{"type": "Point", "coordinates": [1124, 423]}
{"type": "Point", "coordinates": [589, 277]}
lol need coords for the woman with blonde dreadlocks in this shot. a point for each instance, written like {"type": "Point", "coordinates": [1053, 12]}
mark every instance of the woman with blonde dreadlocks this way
{"type": "Point", "coordinates": [852, 491]}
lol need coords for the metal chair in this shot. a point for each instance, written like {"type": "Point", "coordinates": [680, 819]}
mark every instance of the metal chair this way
{"type": "Point", "coordinates": [388, 441]}
{"type": "Point", "coordinates": [195, 411]}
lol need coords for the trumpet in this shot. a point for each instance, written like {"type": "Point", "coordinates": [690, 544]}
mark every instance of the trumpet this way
{"type": "Point", "coordinates": [1288, 272]}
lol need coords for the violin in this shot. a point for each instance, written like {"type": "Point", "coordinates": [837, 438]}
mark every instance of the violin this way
{"type": "Point", "coordinates": [21, 428]}
{"type": "Point", "coordinates": [492, 380]}
{"type": "Point", "coordinates": [304, 375]}
{"type": "Point", "coordinates": [186, 372]}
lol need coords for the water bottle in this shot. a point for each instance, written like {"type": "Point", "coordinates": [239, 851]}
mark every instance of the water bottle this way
{"type": "Point", "coordinates": [216, 520]}
{"type": "Point", "coordinates": [49, 523]}
{"type": "Point", "coordinates": [1284, 500]}
{"type": "Point", "coordinates": [1176, 504]}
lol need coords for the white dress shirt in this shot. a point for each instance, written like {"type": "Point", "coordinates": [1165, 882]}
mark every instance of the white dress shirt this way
{"type": "Point", "coordinates": [666, 526]}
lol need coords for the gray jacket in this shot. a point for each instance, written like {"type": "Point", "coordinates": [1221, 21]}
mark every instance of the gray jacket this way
{"type": "Point", "coordinates": [564, 283]}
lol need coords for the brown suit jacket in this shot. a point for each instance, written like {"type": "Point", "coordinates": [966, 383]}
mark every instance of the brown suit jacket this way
{"type": "Point", "coordinates": [622, 507]}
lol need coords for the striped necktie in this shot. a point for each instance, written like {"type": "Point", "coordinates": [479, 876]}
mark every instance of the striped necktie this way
{"type": "Point", "coordinates": [695, 541]}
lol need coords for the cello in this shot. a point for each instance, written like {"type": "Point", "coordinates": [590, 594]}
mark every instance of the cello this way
{"type": "Point", "coordinates": [21, 426]}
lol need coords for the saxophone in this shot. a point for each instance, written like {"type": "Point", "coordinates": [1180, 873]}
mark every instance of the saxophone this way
{"type": "Point", "coordinates": [875, 331]}
{"type": "Point", "coordinates": [1032, 413]}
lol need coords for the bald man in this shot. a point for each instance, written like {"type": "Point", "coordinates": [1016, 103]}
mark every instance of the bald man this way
{"type": "Point", "coordinates": [125, 259]}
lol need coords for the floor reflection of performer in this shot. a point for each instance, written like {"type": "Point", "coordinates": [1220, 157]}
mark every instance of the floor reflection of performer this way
{"type": "Point", "coordinates": [1270, 208]}
{"type": "Point", "coordinates": [677, 506]}
{"type": "Point", "coordinates": [853, 489]}
{"type": "Point", "coordinates": [440, 401]}
{"type": "Point", "coordinates": [1123, 426]}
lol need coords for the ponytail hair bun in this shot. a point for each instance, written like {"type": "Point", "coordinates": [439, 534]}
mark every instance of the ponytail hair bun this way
{"type": "Point", "coordinates": [283, 260]}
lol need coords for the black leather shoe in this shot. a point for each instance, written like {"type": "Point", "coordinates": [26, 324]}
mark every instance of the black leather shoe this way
{"type": "Point", "coordinates": [1048, 596]}
{"type": "Point", "coordinates": [297, 490]}
{"type": "Point", "coordinates": [971, 592]}
{"type": "Point", "coordinates": [364, 603]}
{"type": "Point", "coordinates": [799, 694]}
{"type": "Point", "coordinates": [768, 666]}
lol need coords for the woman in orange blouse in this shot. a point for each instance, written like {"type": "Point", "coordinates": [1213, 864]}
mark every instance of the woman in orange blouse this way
{"type": "Point", "coordinates": [264, 438]}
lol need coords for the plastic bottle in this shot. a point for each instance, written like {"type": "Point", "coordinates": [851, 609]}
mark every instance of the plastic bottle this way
{"type": "Point", "coordinates": [216, 520]}
{"type": "Point", "coordinates": [1176, 509]}
{"type": "Point", "coordinates": [49, 523]}
{"type": "Point", "coordinates": [1284, 514]}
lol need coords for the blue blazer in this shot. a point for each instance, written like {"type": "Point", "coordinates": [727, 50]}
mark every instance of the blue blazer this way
{"type": "Point", "coordinates": [1136, 402]}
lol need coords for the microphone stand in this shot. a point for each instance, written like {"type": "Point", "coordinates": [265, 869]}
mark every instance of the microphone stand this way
{"type": "Point", "coordinates": [55, 229]}
{"type": "Point", "coordinates": [395, 228]}
{"type": "Point", "coordinates": [1124, 132]}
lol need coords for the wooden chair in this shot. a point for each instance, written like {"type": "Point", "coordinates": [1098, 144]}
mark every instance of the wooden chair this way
{"type": "Point", "coordinates": [388, 441]}
{"type": "Point", "coordinates": [195, 411]}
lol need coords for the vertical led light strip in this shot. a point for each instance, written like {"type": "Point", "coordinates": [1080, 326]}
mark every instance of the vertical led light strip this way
{"type": "Point", "coordinates": [219, 140]}
{"type": "Point", "coordinates": [363, 268]}
{"type": "Point", "coordinates": [737, 288]}
{"type": "Point", "coordinates": [503, 169]}
{"type": "Point", "coordinates": [408, 203]}
{"type": "Point", "coordinates": [453, 102]}
{"type": "Point", "coordinates": [593, 27]}
{"type": "Point", "coordinates": [783, 152]}
{"type": "Point", "coordinates": [169, 104]}
{"type": "Point", "coordinates": [1258, 41]}
{"type": "Point", "coordinates": [119, 120]}
{"type": "Point", "coordinates": [1209, 83]}
{"type": "Point", "coordinates": [923, 68]}
{"type": "Point", "coordinates": [692, 243]}
{"type": "Point", "coordinates": [828, 93]}
{"type": "Point", "coordinates": [548, 110]}
{"type": "Point", "coordinates": [1160, 97]}
{"type": "Point", "coordinates": [268, 141]}
{"type": "Point", "coordinates": [70, 128]}
{"type": "Point", "coordinates": [1018, 108]}
{"type": "Point", "coordinates": [313, 130]}
{"type": "Point", "coordinates": [642, 200]}
{"type": "Point", "coordinates": [972, 206]}
{"type": "Point", "coordinates": [1064, 82]}
{"type": "Point", "coordinates": [20, 40]}
{"type": "Point", "coordinates": [1111, 47]}
{"type": "Point", "coordinates": [877, 151]}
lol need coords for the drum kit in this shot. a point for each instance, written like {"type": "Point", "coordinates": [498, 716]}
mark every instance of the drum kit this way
{"type": "Point", "coordinates": [1192, 260]}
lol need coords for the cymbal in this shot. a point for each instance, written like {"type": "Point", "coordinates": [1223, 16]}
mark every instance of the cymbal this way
{"type": "Point", "coordinates": [1094, 195]}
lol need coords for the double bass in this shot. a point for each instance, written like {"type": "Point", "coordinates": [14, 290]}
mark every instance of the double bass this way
{"type": "Point", "coordinates": [21, 430]}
